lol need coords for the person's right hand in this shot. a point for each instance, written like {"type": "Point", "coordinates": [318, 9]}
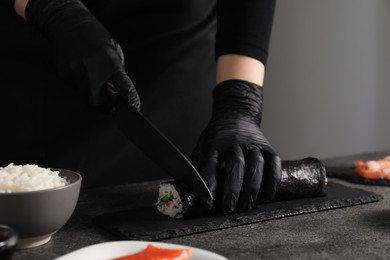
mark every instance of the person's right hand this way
{"type": "Point", "coordinates": [86, 54]}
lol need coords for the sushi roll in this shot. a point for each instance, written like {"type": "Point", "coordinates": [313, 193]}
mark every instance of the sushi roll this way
{"type": "Point", "coordinates": [302, 179]}
{"type": "Point", "coordinates": [175, 200]}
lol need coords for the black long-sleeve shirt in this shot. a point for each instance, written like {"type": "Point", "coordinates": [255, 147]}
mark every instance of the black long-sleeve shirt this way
{"type": "Point", "coordinates": [243, 27]}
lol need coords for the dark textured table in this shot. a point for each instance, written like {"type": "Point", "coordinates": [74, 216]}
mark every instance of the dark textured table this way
{"type": "Point", "coordinates": [359, 232]}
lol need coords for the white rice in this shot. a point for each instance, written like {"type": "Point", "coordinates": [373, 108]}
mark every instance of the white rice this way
{"type": "Point", "coordinates": [20, 178]}
{"type": "Point", "coordinates": [169, 202]}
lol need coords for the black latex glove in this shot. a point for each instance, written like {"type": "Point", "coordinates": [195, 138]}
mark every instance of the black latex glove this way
{"type": "Point", "coordinates": [85, 53]}
{"type": "Point", "coordinates": [232, 155]}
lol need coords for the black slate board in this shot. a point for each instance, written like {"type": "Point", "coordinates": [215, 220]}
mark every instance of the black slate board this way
{"type": "Point", "coordinates": [349, 174]}
{"type": "Point", "coordinates": [150, 225]}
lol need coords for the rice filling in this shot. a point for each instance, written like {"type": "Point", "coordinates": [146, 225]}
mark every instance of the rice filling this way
{"type": "Point", "coordinates": [169, 202]}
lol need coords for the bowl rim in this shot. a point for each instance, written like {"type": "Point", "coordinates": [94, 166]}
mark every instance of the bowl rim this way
{"type": "Point", "coordinates": [19, 193]}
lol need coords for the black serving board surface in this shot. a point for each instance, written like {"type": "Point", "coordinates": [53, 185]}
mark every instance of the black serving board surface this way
{"type": "Point", "coordinates": [150, 225]}
{"type": "Point", "coordinates": [348, 173]}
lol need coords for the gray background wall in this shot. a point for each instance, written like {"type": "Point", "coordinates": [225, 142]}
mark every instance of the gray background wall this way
{"type": "Point", "coordinates": [327, 88]}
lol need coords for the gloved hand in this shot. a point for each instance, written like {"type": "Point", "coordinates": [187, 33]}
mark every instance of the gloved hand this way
{"type": "Point", "coordinates": [232, 155]}
{"type": "Point", "coordinates": [86, 54]}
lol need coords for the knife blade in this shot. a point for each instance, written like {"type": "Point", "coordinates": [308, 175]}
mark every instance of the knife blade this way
{"type": "Point", "coordinates": [154, 144]}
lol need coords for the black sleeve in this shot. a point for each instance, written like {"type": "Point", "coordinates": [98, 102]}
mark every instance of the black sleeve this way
{"type": "Point", "coordinates": [244, 27]}
{"type": "Point", "coordinates": [8, 3]}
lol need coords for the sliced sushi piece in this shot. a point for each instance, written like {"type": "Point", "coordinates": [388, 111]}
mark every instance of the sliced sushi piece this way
{"type": "Point", "coordinates": [374, 169]}
{"type": "Point", "coordinates": [300, 179]}
{"type": "Point", "coordinates": [175, 200]}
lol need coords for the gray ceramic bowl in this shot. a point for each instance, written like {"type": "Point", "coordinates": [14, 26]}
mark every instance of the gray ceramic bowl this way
{"type": "Point", "coordinates": [37, 215]}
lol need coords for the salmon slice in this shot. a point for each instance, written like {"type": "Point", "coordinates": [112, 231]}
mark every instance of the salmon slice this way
{"type": "Point", "coordinates": [155, 253]}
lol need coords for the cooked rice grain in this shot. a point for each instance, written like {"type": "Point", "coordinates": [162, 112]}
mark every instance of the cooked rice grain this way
{"type": "Point", "coordinates": [20, 178]}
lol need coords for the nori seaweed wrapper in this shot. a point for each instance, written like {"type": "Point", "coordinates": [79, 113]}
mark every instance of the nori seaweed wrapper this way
{"type": "Point", "coordinates": [301, 179]}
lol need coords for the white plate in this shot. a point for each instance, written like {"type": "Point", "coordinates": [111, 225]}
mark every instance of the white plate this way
{"type": "Point", "coordinates": [109, 250]}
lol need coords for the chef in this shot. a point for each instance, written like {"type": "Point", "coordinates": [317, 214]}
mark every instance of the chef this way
{"type": "Point", "coordinates": [194, 68]}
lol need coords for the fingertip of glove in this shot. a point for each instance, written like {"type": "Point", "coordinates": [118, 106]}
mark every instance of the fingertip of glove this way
{"type": "Point", "coordinates": [136, 105]}
{"type": "Point", "coordinates": [245, 208]}
{"type": "Point", "coordinates": [227, 211]}
{"type": "Point", "coordinates": [228, 207]}
{"type": "Point", "coordinates": [207, 204]}
{"type": "Point", "coordinates": [266, 198]}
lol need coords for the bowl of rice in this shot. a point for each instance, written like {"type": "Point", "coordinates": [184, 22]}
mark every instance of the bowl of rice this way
{"type": "Point", "coordinates": [37, 202]}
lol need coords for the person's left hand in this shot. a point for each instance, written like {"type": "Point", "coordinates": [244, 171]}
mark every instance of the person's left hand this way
{"type": "Point", "coordinates": [232, 155]}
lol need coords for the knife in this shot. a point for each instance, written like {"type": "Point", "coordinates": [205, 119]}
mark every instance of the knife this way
{"type": "Point", "coordinates": [154, 144]}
